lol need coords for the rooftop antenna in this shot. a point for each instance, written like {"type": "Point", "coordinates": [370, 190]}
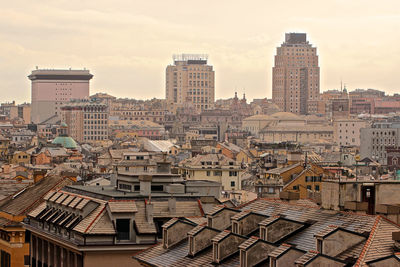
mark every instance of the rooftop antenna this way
{"type": "Point", "coordinates": [341, 85]}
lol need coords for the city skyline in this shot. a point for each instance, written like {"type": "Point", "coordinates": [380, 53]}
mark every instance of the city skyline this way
{"type": "Point", "coordinates": [127, 46]}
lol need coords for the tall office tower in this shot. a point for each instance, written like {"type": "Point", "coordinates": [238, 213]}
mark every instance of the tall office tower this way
{"type": "Point", "coordinates": [295, 76]}
{"type": "Point", "coordinates": [52, 88]}
{"type": "Point", "coordinates": [190, 79]}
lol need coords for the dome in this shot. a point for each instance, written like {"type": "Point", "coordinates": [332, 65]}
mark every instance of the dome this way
{"type": "Point", "coordinates": [65, 141]}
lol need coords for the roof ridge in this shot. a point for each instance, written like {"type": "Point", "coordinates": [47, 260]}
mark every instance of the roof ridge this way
{"type": "Point", "coordinates": [369, 241]}
{"type": "Point", "coordinates": [95, 219]}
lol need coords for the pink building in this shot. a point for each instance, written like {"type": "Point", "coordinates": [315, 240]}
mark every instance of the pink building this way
{"type": "Point", "coordinates": [52, 88]}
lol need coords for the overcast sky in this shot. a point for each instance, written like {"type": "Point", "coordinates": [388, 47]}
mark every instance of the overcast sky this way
{"type": "Point", "coordinates": [128, 44]}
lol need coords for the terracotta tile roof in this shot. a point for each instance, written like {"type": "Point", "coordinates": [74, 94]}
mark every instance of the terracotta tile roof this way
{"type": "Point", "coordinates": [327, 230]}
{"type": "Point", "coordinates": [269, 220]}
{"type": "Point", "coordinates": [38, 210]}
{"type": "Point", "coordinates": [178, 257]}
{"type": "Point", "coordinates": [196, 230]}
{"type": "Point", "coordinates": [141, 223]}
{"type": "Point", "coordinates": [379, 243]}
{"type": "Point", "coordinates": [306, 257]}
{"type": "Point", "coordinates": [216, 209]}
{"type": "Point", "coordinates": [87, 223]}
{"type": "Point", "coordinates": [183, 209]}
{"type": "Point", "coordinates": [82, 204]}
{"type": "Point", "coordinates": [169, 223]}
{"type": "Point", "coordinates": [102, 225]}
{"type": "Point", "coordinates": [221, 236]}
{"type": "Point", "coordinates": [318, 219]}
{"type": "Point", "coordinates": [240, 215]}
{"type": "Point", "coordinates": [122, 206]}
{"type": "Point", "coordinates": [248, 243]}
{"type": "Point", "coordinates": [197, 219]}
{"type": "Point", "coordinates": [24, 201]}
{"type": "Point", "coordinates": [280, 250]}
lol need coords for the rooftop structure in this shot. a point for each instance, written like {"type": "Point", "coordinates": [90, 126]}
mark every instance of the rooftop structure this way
{"type": "Point", "coordinates": [274, 233]}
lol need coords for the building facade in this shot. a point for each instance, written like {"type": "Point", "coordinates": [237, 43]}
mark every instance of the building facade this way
{"type": "Point", "coordinates": [190, 79]}
{"type": "Point", "coordinates": [295, 81]}
{"type": "Point", "coordinates": [347, 131]}
{"type": "Point", "coordinates": [86, 121]}
{"type": "Point", "coordinates": [375, 140]}
{"type": "Point", "coordinates": [53, 88]}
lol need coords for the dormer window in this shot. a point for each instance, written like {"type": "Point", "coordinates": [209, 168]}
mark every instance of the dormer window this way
{"type": "Point", "coordinates": [122, 226]}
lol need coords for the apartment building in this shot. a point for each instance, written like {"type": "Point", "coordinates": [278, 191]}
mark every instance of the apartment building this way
{"type": "Point", "coordinates": [347, 131]}
{"type": "Point", "coordinates": [87, 121]}
{"type": "Point", "coordinates": [191, 79]}
{"type": "Point", "coordinates": [376, 138]}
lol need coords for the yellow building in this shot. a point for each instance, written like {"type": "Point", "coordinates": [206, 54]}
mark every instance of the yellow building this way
{"type": "Point", "coordinates": [213, 167]}
{"type": "Point", "coordinates": [307, 181]}
{"type": "Point", "coordinates": [284, 174]}
{"type": "Point", "coordinates": [20, 158]}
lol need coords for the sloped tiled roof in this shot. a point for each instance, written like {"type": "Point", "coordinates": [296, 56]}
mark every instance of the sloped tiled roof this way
{"type": "Point", "coordinates": [307, 257]}
{"type": "Point", "coordinates": [280, 250]}
{"type": "Point", "coordinates": [379, 243]}
{"type": "Point", "coordinates": [142, 225]}
{"type": "Point", "coordinates": [23, 202]}
{"type": "Point", "coordinates": [122, 206]}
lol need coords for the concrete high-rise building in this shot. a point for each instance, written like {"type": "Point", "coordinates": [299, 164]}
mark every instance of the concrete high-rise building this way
{"type": "Point", "coordinates": [295, 76]}
{"type": "Point", "coordinates": [190, 79]}
{"type": "Point", "coordinates": [52, 88]}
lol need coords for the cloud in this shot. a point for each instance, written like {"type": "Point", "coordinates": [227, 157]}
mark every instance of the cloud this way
{"type": "Point", "coordinates": [128, 44]}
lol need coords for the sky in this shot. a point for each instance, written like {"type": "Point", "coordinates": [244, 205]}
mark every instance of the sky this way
{"type": "Point", "coordinates": [128, 44]}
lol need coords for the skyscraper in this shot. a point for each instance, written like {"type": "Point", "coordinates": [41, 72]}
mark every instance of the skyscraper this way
{"type": "Point", "coordinates": [190, 79]}
{"type": "Point", "coordinates": [52, 88]}
{"type": "Point", "coordinates": [295, 76]}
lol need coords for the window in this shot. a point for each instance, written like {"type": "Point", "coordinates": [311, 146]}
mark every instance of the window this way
{"type": "Point", "coordinates": [232, 183]}
{"type": "Point", "coordinates": [125, 187]}
{"type": "Point", "coordinates": [232, 173]}
{"type": "Point", "coordinates": [317, 188]}
{"type": "Point", "coordinates": [308, 187]}
{"type": "Point", "coordinates": [217, 173]}
{"type": "Point", "coordinates": [208, 173]}
{"type": "Point", "coordinates": [123, 229]}
{"type": "Point", "coordinates": [157, 188]}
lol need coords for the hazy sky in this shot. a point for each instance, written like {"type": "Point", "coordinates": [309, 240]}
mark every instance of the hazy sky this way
{"type": "Point", "coordinates": [127, 44]}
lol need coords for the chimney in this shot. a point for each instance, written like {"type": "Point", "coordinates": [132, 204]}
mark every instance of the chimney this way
{"type": "Point", "coordinates": [172, 205]}
{"type": "Point", "coordinates": [200, 238]}
{"type": "Point", "coordinates": [145, 184]}
{"type": "Point", "coordinates": [149, 212]}
{"type": "Point", "coordinates": [174, 231]}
